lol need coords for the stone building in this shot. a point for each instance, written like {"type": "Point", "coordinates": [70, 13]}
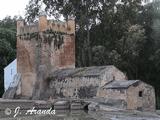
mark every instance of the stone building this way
{"type": "Point", "coordinates": [79, 82]}
{"type": "Point", "coordinates": [129, 94]}
{"type": "Point", "coordinates": [46, 69]}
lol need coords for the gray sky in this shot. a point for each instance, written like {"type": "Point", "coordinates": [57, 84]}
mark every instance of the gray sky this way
{"type": "Point", "coordinates": [12, 8]}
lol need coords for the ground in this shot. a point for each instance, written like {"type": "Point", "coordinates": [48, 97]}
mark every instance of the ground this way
{"type": "Point", "coordinates": [81, 115]}
{"type": "Point", "coordinates": [69, 115]}
{"type": "Point", "coordinates": [134, 115]}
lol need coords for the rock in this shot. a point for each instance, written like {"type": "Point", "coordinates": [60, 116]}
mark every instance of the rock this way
{"type": "Point", "coordinates": [93, 106]}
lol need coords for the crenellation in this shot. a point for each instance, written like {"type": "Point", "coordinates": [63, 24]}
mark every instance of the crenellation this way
{"type": "Point", "coordinates": [44, 25]}
{"type": "Point", "coordinates": [65, 27]}
{"type": "Point", "coordinates": [26, 29]}
{"type": "Point", "coordinates": [20, 24]}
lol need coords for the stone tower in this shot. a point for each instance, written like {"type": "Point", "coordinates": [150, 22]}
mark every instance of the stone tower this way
{"type": "Point", "coordinates": [45, 46]}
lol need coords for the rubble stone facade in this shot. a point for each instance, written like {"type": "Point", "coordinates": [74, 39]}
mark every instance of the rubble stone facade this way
{"type": "Point", "coordinates": [80, 83]}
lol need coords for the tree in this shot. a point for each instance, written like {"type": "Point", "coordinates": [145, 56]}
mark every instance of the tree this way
{"type": "Point", "coordinates": [130, 47]}
{"type": "Point", "coordinates": [155, 56]}
{"type": "Point", "coordinates": [7, 45]}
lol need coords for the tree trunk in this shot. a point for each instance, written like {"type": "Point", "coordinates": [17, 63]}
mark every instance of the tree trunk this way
{"type": "Point", "coordinates": [88, 37]}
{"type": "Point", "coordinates": [89, 47]}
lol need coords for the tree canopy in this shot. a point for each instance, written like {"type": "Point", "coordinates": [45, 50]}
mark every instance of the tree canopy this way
{"type": "Point", "coordinates": [7, 46]}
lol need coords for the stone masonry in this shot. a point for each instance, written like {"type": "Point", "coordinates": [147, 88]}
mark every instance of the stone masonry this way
{"type": "Point", "coordinates": [42, 47]}
{"type": "Point", "coordinates": [83, 83]}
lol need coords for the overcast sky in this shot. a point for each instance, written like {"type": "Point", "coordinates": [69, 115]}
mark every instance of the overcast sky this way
{"type": "Point", "coordinates": [12, 8]}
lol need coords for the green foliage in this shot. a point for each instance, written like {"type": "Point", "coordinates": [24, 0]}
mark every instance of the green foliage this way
{"type": "Point", "coordinates": [132, 42]}
{"type": "Point", "coordinates": [7, 45]}
{"type": "Point", "coordinates": [99, 55]}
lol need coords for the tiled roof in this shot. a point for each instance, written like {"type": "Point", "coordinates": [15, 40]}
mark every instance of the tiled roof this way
{"type": "Point", "coordinates": [81, 72]}
{"type": "Point", "coordinates": [120, 84]}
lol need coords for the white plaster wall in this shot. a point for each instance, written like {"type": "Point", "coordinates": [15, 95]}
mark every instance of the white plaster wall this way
{"type": "Point", "coordinates": [9, 72]}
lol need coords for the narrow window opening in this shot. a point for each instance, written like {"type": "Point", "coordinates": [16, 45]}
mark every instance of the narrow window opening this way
{"type": "Point", "coordinates": [140, 94]}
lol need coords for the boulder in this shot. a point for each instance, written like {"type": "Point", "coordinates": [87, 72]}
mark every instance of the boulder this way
{"type": "Point", "coordinates": [93, 106]}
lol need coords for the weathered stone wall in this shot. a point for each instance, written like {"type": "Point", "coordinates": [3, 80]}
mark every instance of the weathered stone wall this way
{"type": "Point", "coordinates": [84, 87]}
{"type": "Point", "coordinates": [131, 96]}
{"type": "Point", "coordinates": [111, 74]}
{"type": "Point", "coordinates": [113, 93]}
{"type": "Point", "coordinates": [26, 65]}
{"type": "Point", "coordinates": [65, 56]}
{"type": "Point", "coordinates": [113, 97]}
{"type": "Point", "coordinates": [47, 43]}
{"type": "Point", "coordinates": [146, 102]}
{"type": "Point", "coordinates": [80, 83]}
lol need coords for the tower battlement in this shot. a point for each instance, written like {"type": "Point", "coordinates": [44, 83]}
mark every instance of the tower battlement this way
{"type": "Point", "coordinates": [44, 24]}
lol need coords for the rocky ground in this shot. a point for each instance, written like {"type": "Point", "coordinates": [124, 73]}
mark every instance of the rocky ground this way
{"type": "Point", "coordinates": [91, 115]}
{"type": "Point", "coordinates": [134, 115]}
{"type": "Point", "coordinates": [99, 113]}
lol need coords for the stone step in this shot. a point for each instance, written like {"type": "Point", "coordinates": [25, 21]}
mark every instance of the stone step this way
{"type": "Point", "coordinates": [77, 106]}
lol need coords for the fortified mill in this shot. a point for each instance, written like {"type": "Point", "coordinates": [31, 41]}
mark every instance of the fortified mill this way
{"type": "Point", "coordinates": [46, 70]}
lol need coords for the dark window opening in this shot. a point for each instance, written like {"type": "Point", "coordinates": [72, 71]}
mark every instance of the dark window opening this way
{"type": "Point", "coordinates": [140, 93]}
{"type": "Point", "coordinates": [122, 91]}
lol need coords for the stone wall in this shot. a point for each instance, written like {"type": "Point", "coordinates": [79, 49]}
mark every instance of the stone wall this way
{"type": "Point", "coordinates": [113, 97]}
{"type": "Point", "coordinates": [139, 96]}
{"type": "Point", "coordinates": [77, 87]}
{"type": "Point", "coordinates": [111, 74]}
{"type": "Point", "coordinates": [47, 43]}
{"type": "Point", "coordinates": [84, 87]}
{"type": "Point", "coordinates": [79, 82]}
{"type": "Point", "coordinates": [113, 93]}
{"type": "Point", "coordinates": [146, 102]}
